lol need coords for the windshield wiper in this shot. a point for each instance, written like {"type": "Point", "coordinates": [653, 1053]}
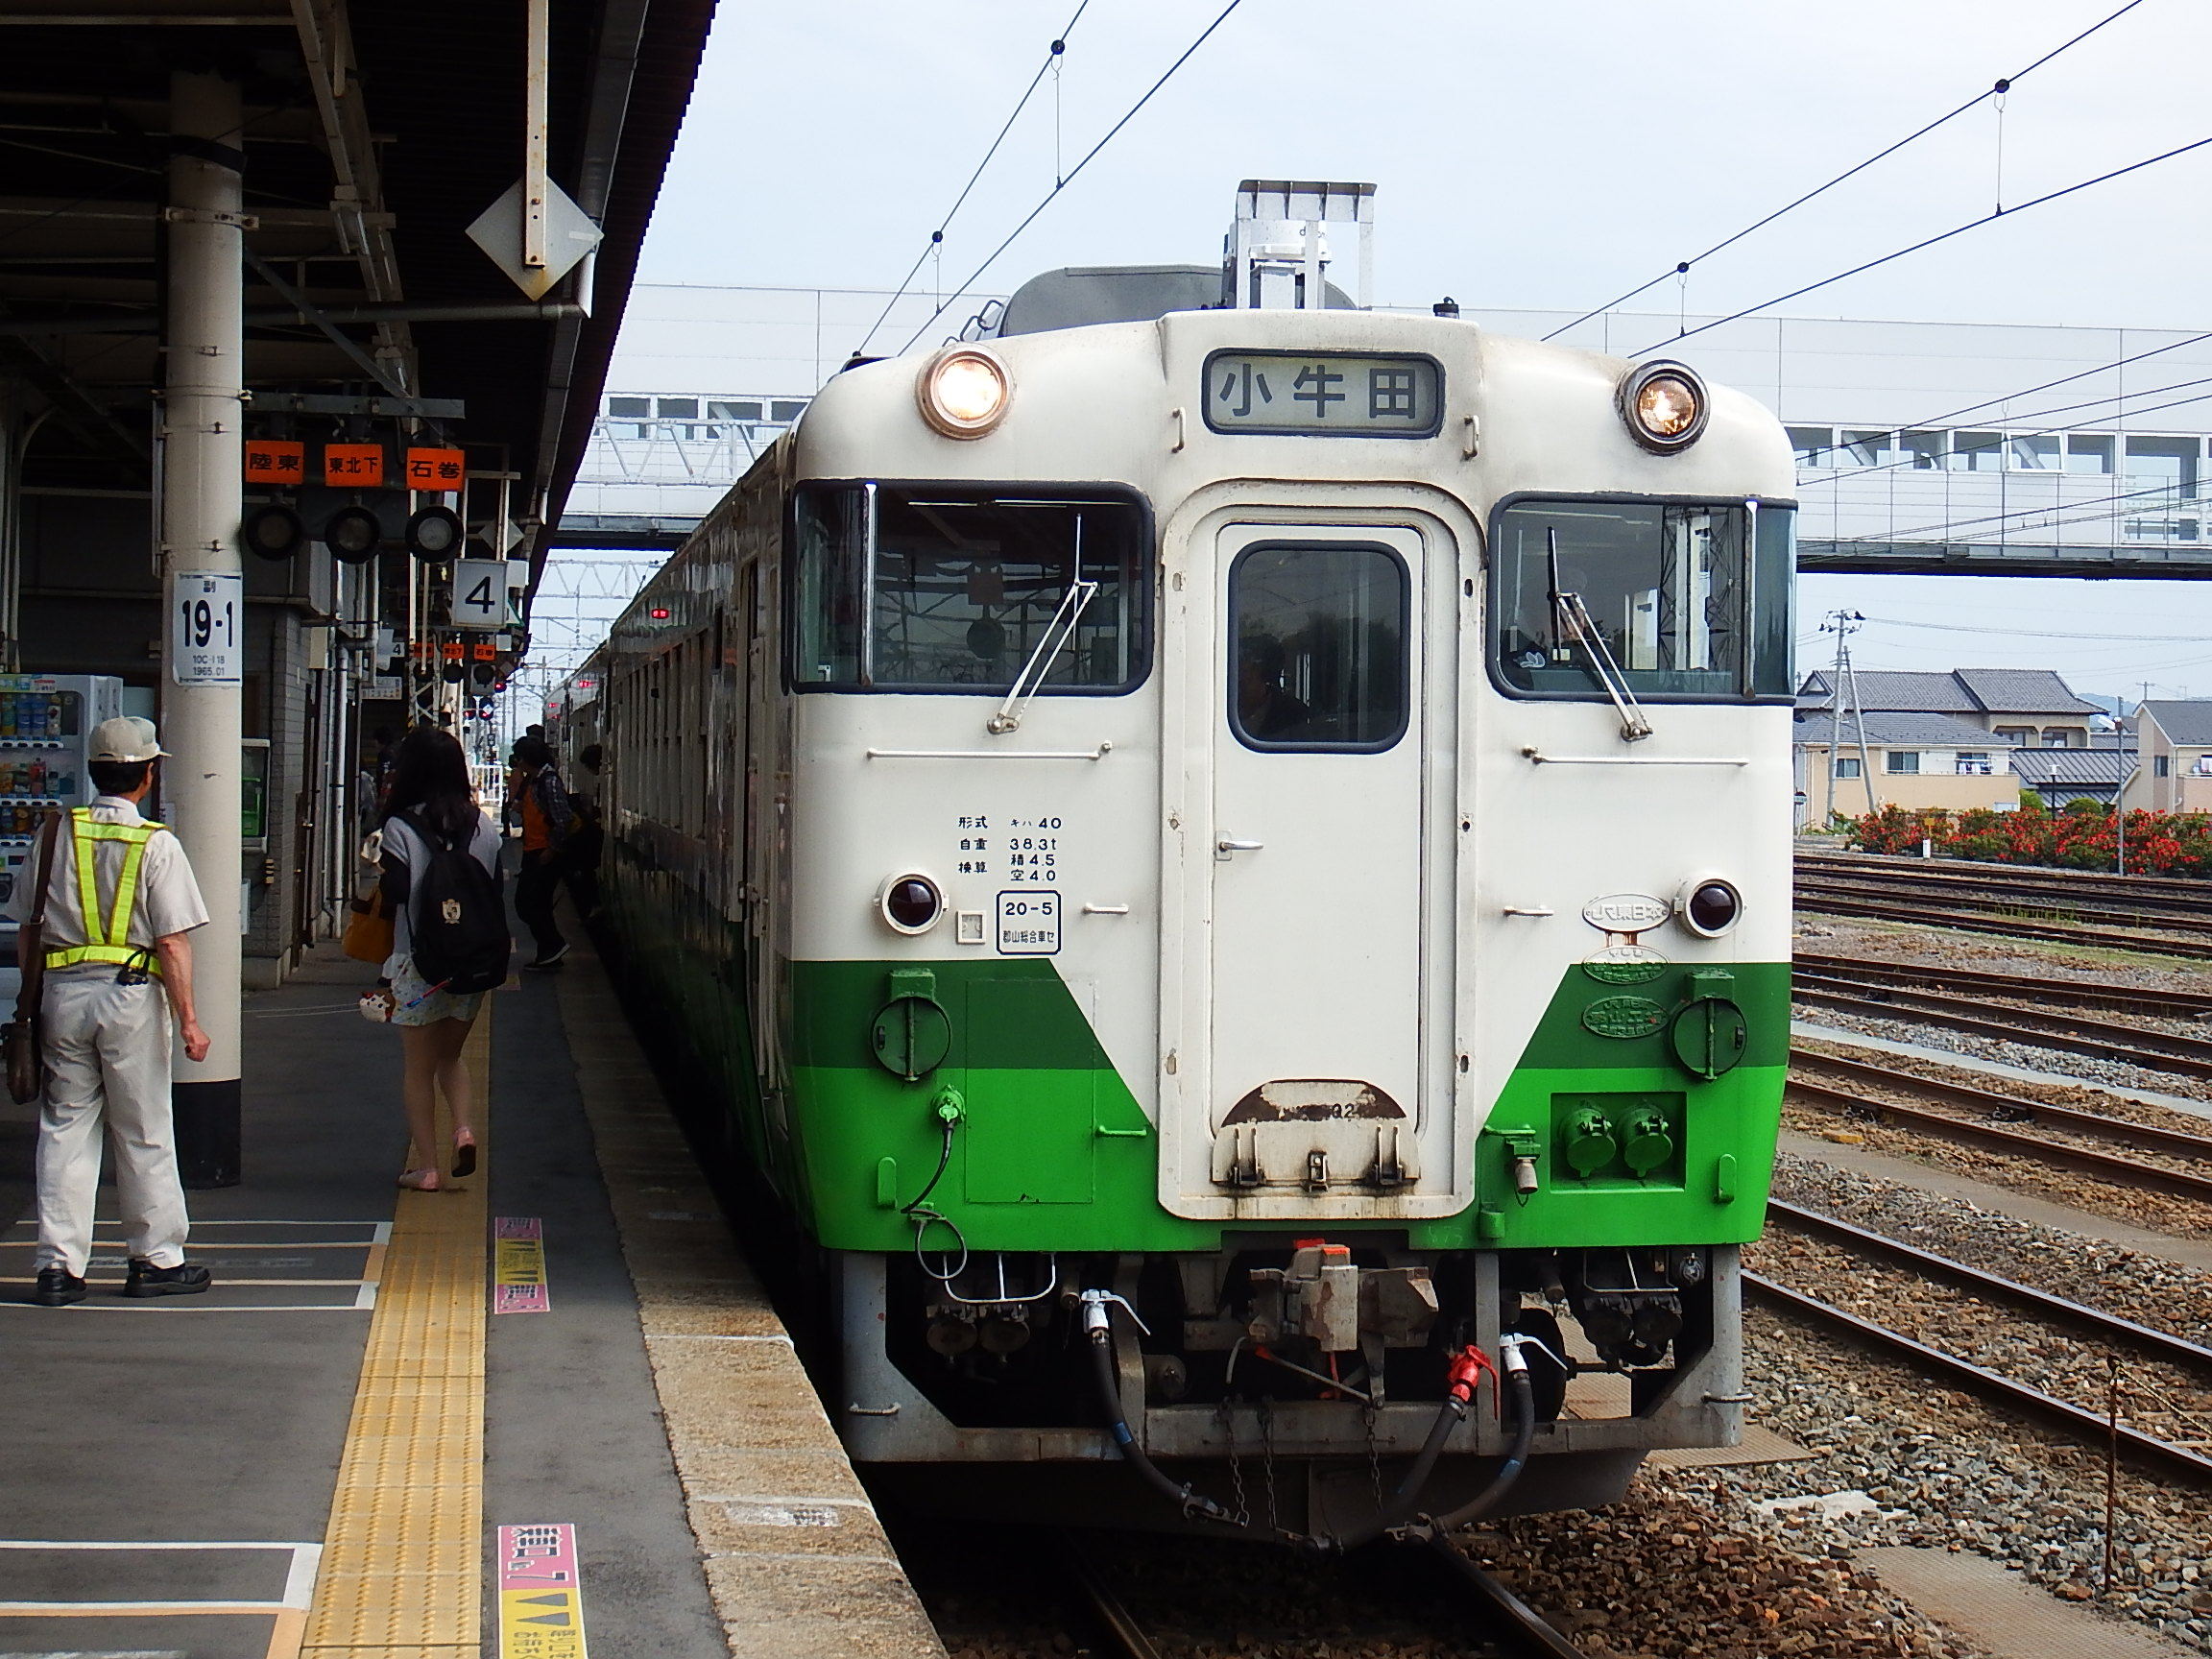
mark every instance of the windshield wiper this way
{"type": "Point", "coordinates": [1057, 633]}
{"type": "Point", "coordinates": [1573, 616]}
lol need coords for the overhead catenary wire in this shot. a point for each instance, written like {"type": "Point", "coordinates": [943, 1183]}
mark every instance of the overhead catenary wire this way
{"type": "Point", "coordinates": [1998, 90]}
{"type": "Point", "coordinates": [937, 236]}
{"type": "Point", "coordinates": [1073, 173]}
{"type": "Point", "coordinates": [1927, 242]}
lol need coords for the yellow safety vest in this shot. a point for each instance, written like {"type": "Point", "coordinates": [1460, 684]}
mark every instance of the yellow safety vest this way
{"type": "Point", "coordinates": [111, 942]}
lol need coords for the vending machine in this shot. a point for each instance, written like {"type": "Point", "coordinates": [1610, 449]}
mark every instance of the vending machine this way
{"type": "Point", "coordinates": [46, 723]}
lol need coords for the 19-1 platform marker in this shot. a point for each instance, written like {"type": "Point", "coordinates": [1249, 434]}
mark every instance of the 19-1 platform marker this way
{"type": "Point", "coordinates": [540, 1600]}
{"type": "Point", "coordinates": [519, 1267]}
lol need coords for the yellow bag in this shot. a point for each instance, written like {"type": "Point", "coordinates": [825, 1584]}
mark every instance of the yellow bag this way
{"type": "Point", "coordinates": [368, 931]}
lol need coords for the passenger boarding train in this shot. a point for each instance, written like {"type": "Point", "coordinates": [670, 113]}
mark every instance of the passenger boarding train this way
{"type": "Point", "coordinates": [1229, 865]}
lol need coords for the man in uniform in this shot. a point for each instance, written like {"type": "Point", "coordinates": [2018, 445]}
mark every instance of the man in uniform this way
{"type": "Point", "coordinates": [120, 907]}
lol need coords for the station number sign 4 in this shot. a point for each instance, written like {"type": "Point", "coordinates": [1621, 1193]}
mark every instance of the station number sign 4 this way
{"type": "Point", "coordinates": [206, 628]}
{"type": "Point", "coordinates": [479, 594]}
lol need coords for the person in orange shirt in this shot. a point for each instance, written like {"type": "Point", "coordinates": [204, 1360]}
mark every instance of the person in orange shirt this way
{"type": "Point", "coordinates": [547, 821]}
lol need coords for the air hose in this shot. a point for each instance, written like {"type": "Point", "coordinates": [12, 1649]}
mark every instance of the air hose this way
{"type": "Point", "coordinates": [1098, 1326]}
{"type": "Point", "coordinates": [1429, 1527]}
{"type": "Point", "coordinates": [1466, 1377]}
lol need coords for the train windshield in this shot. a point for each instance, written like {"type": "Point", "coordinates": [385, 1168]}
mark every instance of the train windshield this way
{"type": "Point", "coordinates": [936, 587]}
{"type": "Point", "coordinates": [1690, 602]}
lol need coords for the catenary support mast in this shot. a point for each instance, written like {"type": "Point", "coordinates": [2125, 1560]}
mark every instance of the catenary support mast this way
{"type": "Point", "coordinates": [203, 649]}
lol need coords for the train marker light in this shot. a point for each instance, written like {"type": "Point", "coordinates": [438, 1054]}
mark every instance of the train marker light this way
{"type": "Point", "coordinates": [964, 391]}
{"type": "Point", "coordinates": [353, 535]}
{"type": "Point", "coordinates": [1709, 906]}
{"type": "Point", "coordinates": [911, 903]}
{"type": "Point", "coordinates": [1665, 406]}
{"type": "Point", "coordinates": [272, 532]}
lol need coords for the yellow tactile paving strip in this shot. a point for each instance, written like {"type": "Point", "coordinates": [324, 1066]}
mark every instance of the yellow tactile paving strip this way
{"type": "Point", "coordinates": [402, 1565]}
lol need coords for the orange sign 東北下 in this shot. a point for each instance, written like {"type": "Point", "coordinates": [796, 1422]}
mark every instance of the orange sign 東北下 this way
{"type": "Point", "coordinates": [269, 461]}
{"type": "Point", "coordinates": [354, 466]}
{"type": "Point", "coordinates": [454, 651]}
{"type": "Point", "coordinates": [436, 468]}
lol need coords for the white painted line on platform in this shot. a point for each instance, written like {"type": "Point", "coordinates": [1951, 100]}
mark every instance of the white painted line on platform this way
{"type": "Point", "coordinates": [711, 1337]}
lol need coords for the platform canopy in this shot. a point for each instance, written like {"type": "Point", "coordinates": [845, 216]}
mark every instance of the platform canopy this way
{"type": "Point", "coordinates": [374, 134]}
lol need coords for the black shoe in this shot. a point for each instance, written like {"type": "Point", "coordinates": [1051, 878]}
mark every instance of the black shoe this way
{"type": "Point", "coordinates": [551, 958]}
{"type": "Point", "coordinates": [185, 1279]}
{"type": "Point", "coordinates": [57, 1288]}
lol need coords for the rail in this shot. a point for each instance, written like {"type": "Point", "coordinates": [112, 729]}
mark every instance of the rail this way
{"type": "Point", "coordinates": [2018, 987]}
{"type": "Point", "coordinates": [2100, 1040]}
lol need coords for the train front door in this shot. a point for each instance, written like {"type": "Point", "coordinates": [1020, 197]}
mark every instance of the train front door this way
{"type": "Point", "coordinates": [1315, 955]}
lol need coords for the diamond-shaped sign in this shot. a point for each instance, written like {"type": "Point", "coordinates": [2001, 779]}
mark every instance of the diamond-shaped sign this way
{"type": "Point", "coordinates": [570, 236]}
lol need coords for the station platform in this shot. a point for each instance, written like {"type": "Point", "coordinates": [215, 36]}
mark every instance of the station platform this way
{"type": "Point", "coordinates": [546, 1412]}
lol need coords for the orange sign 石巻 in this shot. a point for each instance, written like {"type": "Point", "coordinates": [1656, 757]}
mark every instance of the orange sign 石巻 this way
{"type": "Point", "coordinates": [436, 468]}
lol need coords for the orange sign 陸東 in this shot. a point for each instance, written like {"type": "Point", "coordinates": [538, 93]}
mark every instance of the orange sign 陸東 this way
{"type": "Point", "coordinates": [271, 461]}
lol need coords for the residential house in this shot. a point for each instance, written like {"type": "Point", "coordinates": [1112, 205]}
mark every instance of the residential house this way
{"type": "Point", "coordinates": [2023, 708]}
{"type": "Point", "coordinates": [2175, 744]}
{"type": "Point", "coordinates": [2062, 775]}
{"type": "Point", "coordinates": [1911, 759]}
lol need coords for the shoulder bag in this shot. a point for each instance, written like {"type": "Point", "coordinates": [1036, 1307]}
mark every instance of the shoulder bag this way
{"type": "Point", "coordinates": [21, 1037]}
{"type": "Point", "coordinates": [368, 929]}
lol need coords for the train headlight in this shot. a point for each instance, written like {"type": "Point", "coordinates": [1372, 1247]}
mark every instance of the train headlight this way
{"type": "Point", "coordinates": [964, 391]}
{"type": "Point", "coordinates": [1709, 906]}
{"type": "Point", "coordinates": [1665, 406]}
{"type": "Point", "coordinates": [910, 903]}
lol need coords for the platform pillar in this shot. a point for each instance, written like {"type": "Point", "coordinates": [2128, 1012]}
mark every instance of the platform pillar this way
{"type": "Point", "coordinates": [203, 633]}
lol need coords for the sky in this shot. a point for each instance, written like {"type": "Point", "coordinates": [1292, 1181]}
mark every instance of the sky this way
{"type": "Point", "coordinates": [1526, 155]}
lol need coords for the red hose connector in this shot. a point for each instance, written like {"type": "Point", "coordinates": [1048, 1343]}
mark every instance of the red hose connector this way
{"type": "Point", "coordinates": [1466, 1375]}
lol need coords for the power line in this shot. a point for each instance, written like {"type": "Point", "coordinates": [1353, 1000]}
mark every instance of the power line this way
{"type": "Point", "coordinates": [937, 236]}
{"type": "Point", "coordinates": [2004, 84]}
{"type": "Point", "coordinates": [1925, 242]}
{"type": "Point", "coordinates": [1073, 173]}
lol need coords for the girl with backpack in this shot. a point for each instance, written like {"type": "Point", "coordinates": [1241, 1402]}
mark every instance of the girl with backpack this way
{"type": "Point", "coordinates": [449, 942]}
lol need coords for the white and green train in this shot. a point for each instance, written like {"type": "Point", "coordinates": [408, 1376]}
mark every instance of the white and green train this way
{"type": "Point", "coordinates": [1219, 861]}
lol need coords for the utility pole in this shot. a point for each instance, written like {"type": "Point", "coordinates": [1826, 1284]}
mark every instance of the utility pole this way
{"type": "Point", "coordinates": [1843, 624]}
{"type": "Point", "coordinates": [201, 455]}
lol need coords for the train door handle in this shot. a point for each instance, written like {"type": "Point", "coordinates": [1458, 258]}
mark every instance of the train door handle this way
{"type": "Point", "coordinates": [1224, 847]}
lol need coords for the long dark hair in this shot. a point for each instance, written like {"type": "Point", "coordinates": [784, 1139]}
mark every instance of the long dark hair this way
{"type": "Point", "coordinates": [430, 778]}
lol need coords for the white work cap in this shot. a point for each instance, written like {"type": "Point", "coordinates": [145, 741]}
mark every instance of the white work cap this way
{"type": "Point", "coordinates": [126, 738]}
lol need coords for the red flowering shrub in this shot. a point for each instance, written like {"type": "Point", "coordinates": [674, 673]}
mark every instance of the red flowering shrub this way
{"type": "Point", "coordinates": [2083, 835]}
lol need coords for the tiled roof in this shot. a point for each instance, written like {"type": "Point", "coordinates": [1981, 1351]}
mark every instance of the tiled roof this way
{"type": "Point", "coordinates": [2183, 722]}
{"type": "Point", "coordinates": [1887, 729]}
{"type": "Point", "coordinates": [2021, 691]}
{"type": "Point", "coordinates": [2072, 767]}
{"type": "Point", "coordinates": [1961, 691]}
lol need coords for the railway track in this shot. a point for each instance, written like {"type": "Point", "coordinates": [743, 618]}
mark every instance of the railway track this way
{"type": "Point", "coordinates": [2091, 1428]}
{"type": "Point", "coordinates": [1500, 1624]}
{"type": "Point", "coordinates": [1844, 1085]}
{"type": "Point", "coordinates": [2168, 1052]}
{"type": "Point", "coordinates": [2077, 907]}
{"type": "Point", "coordinates": [2014, 987]}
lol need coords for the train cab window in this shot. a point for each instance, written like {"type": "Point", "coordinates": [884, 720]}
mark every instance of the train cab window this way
{"type": "Point", "coordinates": [949, 589]}
{"type": "Point", "coordinates": [1688, 602]}
{"type": "Point", "coordinates": [1318, 657]}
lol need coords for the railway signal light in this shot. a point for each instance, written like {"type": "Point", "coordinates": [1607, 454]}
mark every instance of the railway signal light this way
{"type": "Point", "coordinates": [353, 535]}
{"type": "Point", "coordinates": [434, 535]}
{"type": "Point", "coordinates": [272, 532]}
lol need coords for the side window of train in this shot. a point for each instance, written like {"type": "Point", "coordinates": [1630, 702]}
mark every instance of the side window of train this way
{"type": "Point", "coordinates": [1688, 601]}
{"type": "Point", "coordinates": [959, 588]}
{"type": "Point", "coordinates": [1318, 635]}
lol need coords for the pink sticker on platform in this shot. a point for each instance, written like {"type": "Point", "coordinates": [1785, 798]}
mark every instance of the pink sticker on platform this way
{"type": "Point", "coordinates": [541, 1597]}
{"type": "Point", "coordinates": [519, 1266]}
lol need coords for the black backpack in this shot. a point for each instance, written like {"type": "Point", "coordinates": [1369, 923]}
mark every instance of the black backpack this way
{"type": "Point", "coordinates": [459, 925]}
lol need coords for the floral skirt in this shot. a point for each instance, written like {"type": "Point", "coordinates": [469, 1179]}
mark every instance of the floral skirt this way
{"type": "Point", "coordinates": [415, 1003]}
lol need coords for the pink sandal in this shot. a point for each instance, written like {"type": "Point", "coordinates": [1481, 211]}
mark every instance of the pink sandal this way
{"type": "Point", "coordinates": [421, 1180]}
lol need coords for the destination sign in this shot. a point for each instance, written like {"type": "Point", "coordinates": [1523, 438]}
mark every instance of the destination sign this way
{"type": "Point", "coordinates": [1324, 394]}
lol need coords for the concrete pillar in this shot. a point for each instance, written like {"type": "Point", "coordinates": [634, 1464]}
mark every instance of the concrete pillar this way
{"type": "Point", "coordinates": [204, 650]}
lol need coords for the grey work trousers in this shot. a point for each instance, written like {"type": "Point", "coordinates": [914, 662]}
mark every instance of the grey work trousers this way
{"type": "Point", "coordinates": [108, 1068]}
